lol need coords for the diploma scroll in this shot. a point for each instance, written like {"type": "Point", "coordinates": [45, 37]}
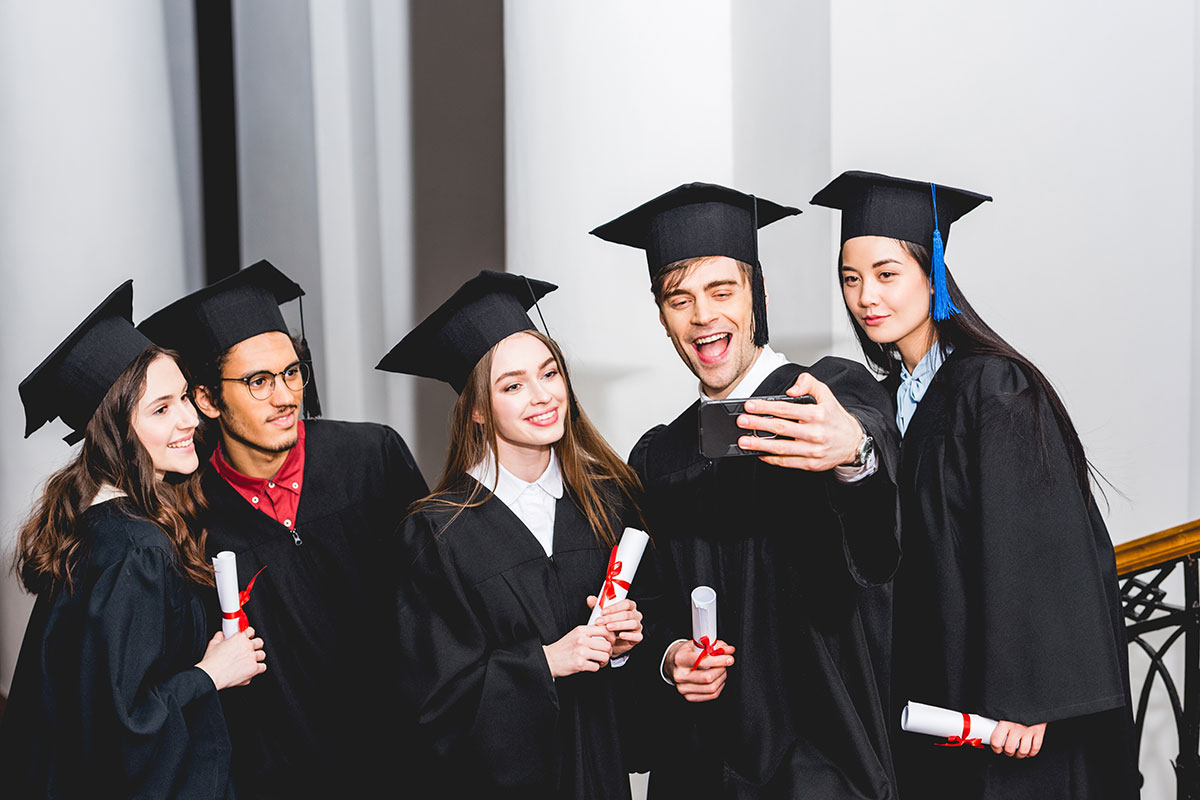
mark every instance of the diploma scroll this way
{"type": "Point", "coordinates": [704, 624]}
{"type": "Point", "coordinates": [622, 564]}
{"type": "Point", "coordinates": [960, 728]}
{"type": "Point", "coordinates": [232, 618]}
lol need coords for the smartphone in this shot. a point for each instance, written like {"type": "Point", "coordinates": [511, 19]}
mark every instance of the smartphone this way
{"type": "Point", "coordinates": [719, 431]}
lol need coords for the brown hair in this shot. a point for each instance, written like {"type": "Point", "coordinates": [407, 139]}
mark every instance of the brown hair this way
{"type": "Point", "coordinates": [49, 543]}
{"type": "Point", "coordinates": [600, 483]}
{"type": "Point", "coordinates": [669, 277]}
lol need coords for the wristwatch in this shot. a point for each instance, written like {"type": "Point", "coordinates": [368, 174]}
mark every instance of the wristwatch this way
{"type": "Point", "coordinates": [863, 454]}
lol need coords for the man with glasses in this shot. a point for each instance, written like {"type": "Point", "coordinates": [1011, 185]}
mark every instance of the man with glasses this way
{"type": "Point", "coordinates": [313, 504]}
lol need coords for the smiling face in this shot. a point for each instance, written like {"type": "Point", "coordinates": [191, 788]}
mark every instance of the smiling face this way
{"type": "Point", "coordinates": [529, 399]}
{"type": "Point", "coordinates": [889, 294]}
{"type": "Point", "coordinates": [164, 419]}
{"type": "Point", "coordinates": [709, 316]}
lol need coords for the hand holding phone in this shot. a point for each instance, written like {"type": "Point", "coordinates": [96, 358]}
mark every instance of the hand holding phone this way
{"type": "Point", "coordinates": [719, 431]}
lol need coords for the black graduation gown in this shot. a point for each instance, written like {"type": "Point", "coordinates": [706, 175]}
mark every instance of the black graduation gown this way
{"type": "Point", "coordinates": [1006, 601]}
{"type": "Point", "coordinates": [324, 719]}
{"type": "Point", "coordinates": [790, 555]}
{"type": "Point", "coordinates": [106, 699]}
{"type": "Point", "coordinates": [482, 601]}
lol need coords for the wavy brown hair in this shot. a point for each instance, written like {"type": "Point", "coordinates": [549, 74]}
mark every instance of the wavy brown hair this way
{"type": "Point", "coordinates": [599, 481]}
{"type": "Point", "coordinates": [49, 542]}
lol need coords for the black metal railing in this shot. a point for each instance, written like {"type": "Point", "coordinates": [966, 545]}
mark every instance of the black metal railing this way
{"type": "Point", "coordinates": [1143, 565]}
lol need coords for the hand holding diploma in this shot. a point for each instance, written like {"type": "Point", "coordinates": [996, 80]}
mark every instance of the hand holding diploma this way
{"type": "Point", "coordinates": [622, 620]}
{"type": "Point", "coordinates": [698, 668]}
{"type": "Point", "coordinates": [611, 609]}
{"type": "Point", "coordinates": [1021, 741]}
{"type": "Point", "coordinates": [233, 618]}
{"type": "Point", "coordinates": [585, 648]}
{"type": "Point", "coordinates": [622, 565]}
{"type": "Point", "coordinates": [1008, 738]}
{"type": "Point", "coordinates": [233, 660]}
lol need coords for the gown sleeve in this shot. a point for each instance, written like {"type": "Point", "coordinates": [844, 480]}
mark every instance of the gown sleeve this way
{"type": "Point", "coordinates": [136, 680]}
{"type": "Point", "coordinates": [409, 485]}
{"type": "Point", "coordinates": [1048, 643]}
{"type": "Point", "coordinates": [481, 704]}
{"type": "Point", "coordinates": [868, 509]}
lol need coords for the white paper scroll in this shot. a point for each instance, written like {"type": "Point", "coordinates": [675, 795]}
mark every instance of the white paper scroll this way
{"type": "Point", "coordinates": [225, 566]}
{"type": "Point", "coordinates": [934, 721]}
{"type": "Point", "coordinates": [704, 616]}
{"type": "Point", "coordinates": [621, 567]}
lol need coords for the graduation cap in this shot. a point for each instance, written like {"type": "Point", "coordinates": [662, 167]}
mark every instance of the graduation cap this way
{"type": "Point", "coordinates": [449, 342]}
{"type": "Point", "coordinates": [913, 211]}
{"type": "Point", "coordinates": [696, 220]}
{"type": "Point", "coordinates": [206, 323]}
{"type": "Point", "coordinates": [73, 380]}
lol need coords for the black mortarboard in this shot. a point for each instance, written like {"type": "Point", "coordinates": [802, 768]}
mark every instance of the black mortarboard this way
{"type": "Point", "coordinates": [913, 211]}
{"type": "Point", "coordinates": [207, 322]}
{"type": "Point", "coordinates": [449, 342]}
{"type": "Point", "coordinates": [697, 220]}
{"type": "Point", "coordinates": [74, 379]}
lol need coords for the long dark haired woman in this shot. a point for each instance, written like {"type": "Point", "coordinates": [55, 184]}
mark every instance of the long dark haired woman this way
{"type": "Point", "coordinates": [501, 665]}
{"type": "Point", "coordinates": [1006, 600]}
{"type": "Point", "coordinates": [115, 689]}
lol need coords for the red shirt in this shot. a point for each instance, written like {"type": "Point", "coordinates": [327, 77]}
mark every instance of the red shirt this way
{"type": "Point", "coordinates": [277, 497]}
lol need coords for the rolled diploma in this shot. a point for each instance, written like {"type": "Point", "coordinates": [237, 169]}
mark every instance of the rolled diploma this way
{"type": "Point", "coordinates": [225, 567]}
{"type": "Point", "coordinates": [704, 616]}
{"type": "Point", "coordinates": [934, 721]}
{"type": "Point", "coordinates": [629, 555]}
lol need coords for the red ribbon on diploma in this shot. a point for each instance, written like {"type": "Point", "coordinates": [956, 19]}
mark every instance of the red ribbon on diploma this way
{"type": "Point", "coordinates": [611, 581]}
{"type": "Point", "coordinates": [243, 596]}
{"type": "Point", "coordinates": [706, 649]}
{"type": "Point", "coordinates": [961, 741]}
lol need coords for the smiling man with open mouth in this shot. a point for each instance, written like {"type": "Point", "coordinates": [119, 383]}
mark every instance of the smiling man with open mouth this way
{"type": "Point", "coordinates": [796, 542]}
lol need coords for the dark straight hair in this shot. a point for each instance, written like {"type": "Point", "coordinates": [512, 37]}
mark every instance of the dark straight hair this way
{"type": "Point", "coordinates": [968, 333]}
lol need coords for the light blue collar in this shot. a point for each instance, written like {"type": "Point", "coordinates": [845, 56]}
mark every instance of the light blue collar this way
{"type": "Point", "coordinates": [912, 387]}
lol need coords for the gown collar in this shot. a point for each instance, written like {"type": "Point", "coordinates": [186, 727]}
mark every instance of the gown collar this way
{"type": "Point", "coordinates": [913, 386]}
{"type": "Point", "coordinates": [508, 487]}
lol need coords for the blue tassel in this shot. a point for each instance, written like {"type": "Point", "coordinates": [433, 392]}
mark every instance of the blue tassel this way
{"type": "Point", "coordinates": [943, 306]}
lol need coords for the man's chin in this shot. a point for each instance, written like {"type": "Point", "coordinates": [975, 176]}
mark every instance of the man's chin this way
{"type": "Point", "coordinates": [278, 445]}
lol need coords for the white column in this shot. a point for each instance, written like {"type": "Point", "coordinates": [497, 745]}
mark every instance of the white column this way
{"type": "Point", "coordinates": [325, 178]}
{"type": "Point", "coordinates": [91, 197]}
{"type": "Point", "coordinates": [607, 106]}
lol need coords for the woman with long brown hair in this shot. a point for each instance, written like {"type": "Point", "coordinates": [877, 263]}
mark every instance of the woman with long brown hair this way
{"type": "Point", "coordinates": [1006, 601]}
{"type": "Point", "coordinates": [513, 689]}
{"type": "Point", "coordinates": [115, 689]}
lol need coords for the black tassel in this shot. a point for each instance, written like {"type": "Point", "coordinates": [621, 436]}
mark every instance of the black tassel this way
{"type": "Point", "coordinates": [758, 296]}
{"type": "Point", "coordinates": [312, 399]}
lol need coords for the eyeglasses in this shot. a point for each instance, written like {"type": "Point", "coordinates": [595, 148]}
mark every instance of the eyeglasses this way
{"type": "Point", "coordinates": [261, 385]}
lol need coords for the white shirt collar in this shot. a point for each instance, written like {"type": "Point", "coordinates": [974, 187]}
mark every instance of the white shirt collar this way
{"type": "Point", "coordinates": [768, 361]}
{"type": "Point", "coordinates": [509, 487]}
{"type": "Point", "coordinates": [105, 493]}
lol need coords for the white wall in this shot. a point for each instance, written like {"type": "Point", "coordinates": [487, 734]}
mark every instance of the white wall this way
{"type": "Point", "coordinates": [1080, 124]}
{"type": "Point", "coordinates": [609, 105]}
{"type": "Point", "coordinates": [91, 197]}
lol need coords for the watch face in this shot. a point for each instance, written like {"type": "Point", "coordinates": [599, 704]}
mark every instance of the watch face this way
{"type": "Point", "coordinates": [864, 450]}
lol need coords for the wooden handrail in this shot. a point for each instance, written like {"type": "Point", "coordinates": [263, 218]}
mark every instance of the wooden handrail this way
{"type": "Point", "coordinates": [1158, 548]}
